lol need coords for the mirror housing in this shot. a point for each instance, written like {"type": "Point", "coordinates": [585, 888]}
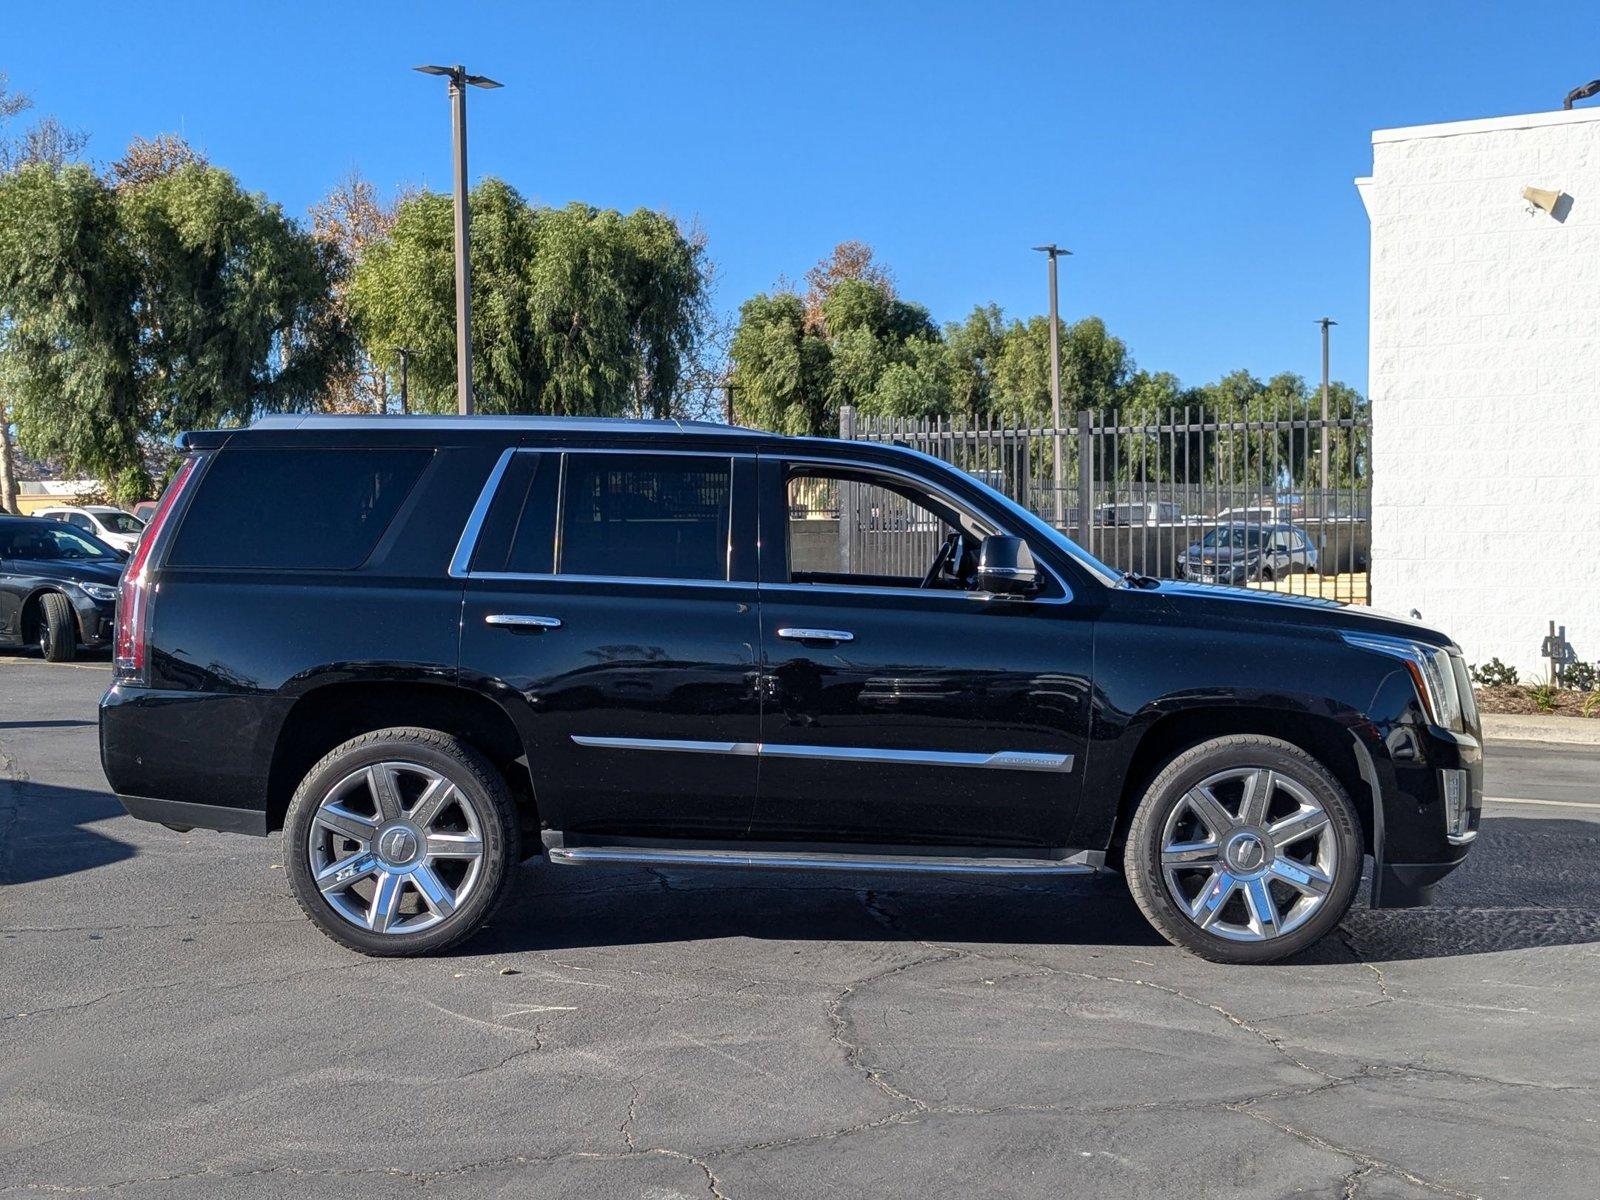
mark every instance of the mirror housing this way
{"type": "Point", "coordinates": [1005, 566]}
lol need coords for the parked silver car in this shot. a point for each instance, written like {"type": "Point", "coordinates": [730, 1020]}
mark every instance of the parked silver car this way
{"type": "Point", "coordinates": [1236, 553]}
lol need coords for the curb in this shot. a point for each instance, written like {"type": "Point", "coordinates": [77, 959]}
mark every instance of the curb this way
{"type": "Point", "coordinates": [1537, 727]}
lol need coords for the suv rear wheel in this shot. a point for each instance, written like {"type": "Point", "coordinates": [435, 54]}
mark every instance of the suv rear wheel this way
{"type": "Point", "coordinates": [401, 841]}
{"type": "Point", "coordinates": [1244, 849]}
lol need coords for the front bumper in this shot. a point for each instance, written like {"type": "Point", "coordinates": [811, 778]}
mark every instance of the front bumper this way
{"type": "Point", "coordinates": [97, 621]}
{"type": "Point", "coordinates": [1413, 843]}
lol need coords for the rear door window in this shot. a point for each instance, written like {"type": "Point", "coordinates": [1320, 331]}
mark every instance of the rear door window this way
{"type": "Point", "coordinates": [300, 508]}
{"type": "Point", "coordinates": [655, 516]}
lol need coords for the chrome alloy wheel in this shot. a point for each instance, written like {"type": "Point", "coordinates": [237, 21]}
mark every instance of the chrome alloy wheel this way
{"type": "Point", "coordinates": [395, 847]}
{"type": "Point", "coordinates": [1249, 854]}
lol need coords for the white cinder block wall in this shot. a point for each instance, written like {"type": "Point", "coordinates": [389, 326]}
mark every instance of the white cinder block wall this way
{"type": "Point", "coordinates": [1485, 381]}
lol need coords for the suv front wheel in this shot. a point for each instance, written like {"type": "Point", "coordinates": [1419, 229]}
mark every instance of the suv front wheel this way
{"type": "Point", "coordinates": [401, 841]}
{"type": "Point", "coordinates": [1244, 849]}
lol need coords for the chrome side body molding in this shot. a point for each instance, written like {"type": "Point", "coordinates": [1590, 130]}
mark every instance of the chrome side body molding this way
{"type": "Point", "coordinates": [1083, 862]}
{"type": "Point", "coordinates": [1003, 760]}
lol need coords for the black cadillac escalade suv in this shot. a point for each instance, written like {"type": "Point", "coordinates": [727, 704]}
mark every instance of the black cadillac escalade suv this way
{"type": "Point", "coordinates": [427, 648]}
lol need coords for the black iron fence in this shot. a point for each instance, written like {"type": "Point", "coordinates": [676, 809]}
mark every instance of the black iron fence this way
{"type": "Point", "coordinates": [1281, 501]}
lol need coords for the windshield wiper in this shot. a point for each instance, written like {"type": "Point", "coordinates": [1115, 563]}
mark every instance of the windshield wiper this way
{"type": "Point", "coordinates": [1134, 579]}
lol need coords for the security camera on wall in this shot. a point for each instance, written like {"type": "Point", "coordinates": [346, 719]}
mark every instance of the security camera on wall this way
{"type": "Point", "coordinates": [1548, 201]}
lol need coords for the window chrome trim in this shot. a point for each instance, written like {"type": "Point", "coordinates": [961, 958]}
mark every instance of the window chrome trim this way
{"type": "Point", "coordinates": [468, 541]}
{"type": "Point", "coordinates": [1002, 760]}
{"type": "Point", "coordinates": [462, 559]}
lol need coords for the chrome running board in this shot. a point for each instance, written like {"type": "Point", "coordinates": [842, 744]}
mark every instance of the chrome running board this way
{"type": "Point", "coordinates": [1081, 862]}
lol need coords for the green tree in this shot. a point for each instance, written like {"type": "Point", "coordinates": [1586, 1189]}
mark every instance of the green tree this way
{"type": "Point", "coordinates": [140, 310]}
{"type": "Point", "coordinates": [779, 369]}
{"type": "Point", "coordinates": [795, 364]}
{"type": "Point", "coordinates": [1094, 368]}
{"type": "Point", "coordinates": [578, 310]}
{"type": "Point", "coordinates": [46, 141]}
{"type": "Point", "coordinates": [973, 349]}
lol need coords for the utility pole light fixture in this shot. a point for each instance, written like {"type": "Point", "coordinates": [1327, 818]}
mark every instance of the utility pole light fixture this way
{"type": "Point", "coordinates": [459, 79]}
{"type": "Point", "coordinates": [1054, 252]}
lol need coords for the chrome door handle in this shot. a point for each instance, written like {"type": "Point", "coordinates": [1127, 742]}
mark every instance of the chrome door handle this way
{"type": "Point", "coordinates": [817, 635]}
{"type": "Point", "coordinates": [519, 621]}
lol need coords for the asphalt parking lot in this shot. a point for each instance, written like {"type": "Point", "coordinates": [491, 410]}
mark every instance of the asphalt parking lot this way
{"type": "Point", "coordinates": [171, 1026]}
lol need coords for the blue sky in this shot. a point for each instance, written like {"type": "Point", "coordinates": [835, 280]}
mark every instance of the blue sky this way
{"type": "Point", "coordinates": [1198, 158]}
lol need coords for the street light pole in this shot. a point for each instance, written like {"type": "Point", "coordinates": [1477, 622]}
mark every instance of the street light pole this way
{"type": "Point", "coordinates": [405, 353]}
{"type": "Point", "coordinates": [1325, 322]}
{"type": "Point", "coordinates": [459, 79]}
{"type": "Point", "coordinates": [1054, 252]}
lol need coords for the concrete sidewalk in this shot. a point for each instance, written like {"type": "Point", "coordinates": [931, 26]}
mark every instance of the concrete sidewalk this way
{"type": "Point", "coordinates": [1537, 727]}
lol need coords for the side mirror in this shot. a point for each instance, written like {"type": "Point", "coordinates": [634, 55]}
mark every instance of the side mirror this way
{"type": "Point", "coordinates": [1005, 567]}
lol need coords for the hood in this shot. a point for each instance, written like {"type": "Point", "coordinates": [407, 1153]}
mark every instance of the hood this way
{"type": "Point", "coordinates": [1282, 608]}
{"type": "Point", "coordinates": [1223, 555]}
{"type": "Point", "coordinates": [67, 570]}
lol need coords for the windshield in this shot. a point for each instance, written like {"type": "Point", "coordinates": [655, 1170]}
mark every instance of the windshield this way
{"type": "Point", "coordinates": [49, 543]}
{"type": "Point", "coordinates": [1032, 524]}
{"type": "Point", "coordinates": [1232, 537]}
{"type": "Point", "coordinates": [121, 522]}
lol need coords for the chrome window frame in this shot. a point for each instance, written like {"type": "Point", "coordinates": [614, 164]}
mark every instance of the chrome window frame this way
{"type": "Point", "coordinates": [467, 544]}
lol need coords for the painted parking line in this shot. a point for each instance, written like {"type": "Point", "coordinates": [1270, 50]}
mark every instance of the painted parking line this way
{"type": "Point", "coordinates": [1553, 803]}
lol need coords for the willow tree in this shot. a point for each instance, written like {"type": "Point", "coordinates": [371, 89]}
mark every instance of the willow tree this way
{"type": "Point", "coordinates": [578, 310]}
{"type": "Point", "coordinates": [136, 311]}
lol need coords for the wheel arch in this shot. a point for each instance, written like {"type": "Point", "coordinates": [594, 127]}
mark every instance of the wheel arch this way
{"type": "Point", "coordinates": [1328, 740]}
{"type": "Point", "coordinates": [333, 713]}
{"type": "Point", "coordinates": [33, 611]}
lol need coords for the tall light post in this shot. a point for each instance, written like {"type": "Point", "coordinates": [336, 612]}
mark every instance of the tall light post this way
{"type": "Point", "coordinates": [1054, 252]}
{"type": "Point", "coordinates": [405, 353]}
{"type": "Point", "coordinates": [459, 79]}
{"type": "Point", "coordinates": [1325, 322]}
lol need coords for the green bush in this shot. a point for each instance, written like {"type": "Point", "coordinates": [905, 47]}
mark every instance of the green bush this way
{"type": "Point", "coordinates": [1580, 676]}
{"type": "Point", "coordinates": [1543, 697]}
{"type": "Point", "coordinates": [1494, 673]}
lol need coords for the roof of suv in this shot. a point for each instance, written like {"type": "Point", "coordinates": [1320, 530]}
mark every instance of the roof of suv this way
{"type": "Point", "coordinates": [547, 424]}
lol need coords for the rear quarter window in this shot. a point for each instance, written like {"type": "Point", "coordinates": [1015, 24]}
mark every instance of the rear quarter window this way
{"type": "Point", "coordinates": [323, 508]}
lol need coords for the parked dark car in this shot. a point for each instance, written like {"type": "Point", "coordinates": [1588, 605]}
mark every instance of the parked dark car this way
{"type": "Point", "coordinates": [470, 641]}
{"type": "Point", "coordinates": [1238, 553]}
{"type": "Point", "coordinates": [58, 587]}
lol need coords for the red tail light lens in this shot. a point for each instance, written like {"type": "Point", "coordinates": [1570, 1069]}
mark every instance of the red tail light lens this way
{"type": "Point", "coordinates": [131, 656]}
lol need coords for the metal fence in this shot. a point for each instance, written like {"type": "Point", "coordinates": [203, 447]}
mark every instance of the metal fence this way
{"type": "Point", "coordinates": [1281, 502]}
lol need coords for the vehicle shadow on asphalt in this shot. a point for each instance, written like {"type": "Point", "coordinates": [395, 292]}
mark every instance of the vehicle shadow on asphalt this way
{"type": "Point", "coordinates": [43, 832]}
{"type": "Point", "coordinates": [1529, 883]}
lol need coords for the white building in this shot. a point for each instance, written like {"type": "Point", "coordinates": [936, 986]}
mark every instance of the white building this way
{"type": "Point", "coordinates": [1485, 380]}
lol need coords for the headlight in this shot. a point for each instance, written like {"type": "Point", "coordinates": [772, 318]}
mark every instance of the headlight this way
{"type": "Point", "coordinates": [1431, 671]}
{"type": "Point", "coordinates": [99, 591]}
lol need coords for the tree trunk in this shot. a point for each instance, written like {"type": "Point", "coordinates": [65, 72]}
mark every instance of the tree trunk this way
{"type": "Point", "coordinates": [8, 467]}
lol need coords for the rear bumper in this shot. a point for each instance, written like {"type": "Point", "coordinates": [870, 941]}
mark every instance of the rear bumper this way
{"type": "Point", "coordinates": [187, 758]}
{"type": "Point", "coordinates": [184, 816]}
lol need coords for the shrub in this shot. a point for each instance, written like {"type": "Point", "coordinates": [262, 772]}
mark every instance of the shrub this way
{"type": "Point", "coordinates": [1543, 697]}
{"type": "Point", "coordinates": [1581, 676]}
{"type": "Point", "coordinates": [1494, 673]}
{"type": "Point", "coordinates": [1591, 704]}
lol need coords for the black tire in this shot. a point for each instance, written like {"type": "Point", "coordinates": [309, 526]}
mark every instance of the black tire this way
{"type": "Point", "coordinates": [1143, 866]}
{"type": "Point", "coordinates": [58, 634]}
{"type": "Point", "coordinates": [471, 775]}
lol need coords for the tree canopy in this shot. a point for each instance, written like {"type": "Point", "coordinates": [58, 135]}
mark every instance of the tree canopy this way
{"type": "Point", "coordinates": [173, 301]}
{"type": "Point", "coordinates": [578, 310]}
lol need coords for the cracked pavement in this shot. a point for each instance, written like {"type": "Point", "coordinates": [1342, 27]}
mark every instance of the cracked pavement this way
{"type": "Point", "coordinates": [170, 1026]}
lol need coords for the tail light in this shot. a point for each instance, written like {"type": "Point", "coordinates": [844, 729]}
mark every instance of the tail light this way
{"type": "Point", "coordinates": [131, 656]}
